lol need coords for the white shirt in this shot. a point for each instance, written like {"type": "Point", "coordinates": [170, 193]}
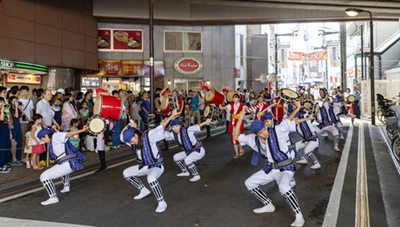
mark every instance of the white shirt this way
{"type": "Point", "coordinates": [28, 106]}
{"type": "Point", "coordinates": [190, 131]}
{"type": "Point", "coordinates": [246, 97]}
{"type": "Point", "coordinates": [43, 108]}
{"type": "Point", "coordinates": [154, 136]}
{"type": "Point", "coordinates": [346, 94]}
{"type": "Point", "coordinates": [282, 131]}
{"type": "Point", "coordinates": [58, 141]}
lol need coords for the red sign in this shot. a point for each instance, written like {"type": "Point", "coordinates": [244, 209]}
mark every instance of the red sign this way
{"type": "Point", "coordinates": [112, 68]}
{"type": "Point", "coordinates": [16, 78]}
{"type": "Point", "coordinates": [351, 74]}
{"type": "Point", "coordinates": [132, 68]}
{"type": "Point", "coordinates": [158, 68]}
{"type": "Point", "coordinates": [129, 40]}
{"type": "Point", "coordinates": [99, 71]}
{"type": "Point", "coordinates": [104, 39]}
{"type": "Point", "coordinates": [330, 79]}
{"type": "Point", "coordinates": [313, 56]}
{"type": "Point", "coordinates": [188, 65]}
{"type": "Point", "coordinates": [335, 79]}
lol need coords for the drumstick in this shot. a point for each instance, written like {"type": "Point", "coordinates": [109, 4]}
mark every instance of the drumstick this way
{"type": "Point", "coordinates": [253, 108]}
{"type": "Point", "coordinates": [269, 107]}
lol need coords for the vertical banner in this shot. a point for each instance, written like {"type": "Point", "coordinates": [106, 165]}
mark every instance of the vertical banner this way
{"type": "Point", "coordinates": [282, 58]}
{"type": "Point", "coordinates": [334, 53]}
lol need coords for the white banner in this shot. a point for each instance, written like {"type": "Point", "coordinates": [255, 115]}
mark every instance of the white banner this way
{"type": "Point", "coordinates": [16, 78]}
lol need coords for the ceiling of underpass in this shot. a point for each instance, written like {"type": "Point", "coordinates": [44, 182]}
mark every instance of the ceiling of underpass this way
{"type": "Point", "coordinates": [214, 12]}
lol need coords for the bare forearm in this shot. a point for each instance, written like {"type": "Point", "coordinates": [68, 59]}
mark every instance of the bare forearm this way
{"type": "Point", "coordinates": [73, 133]}
{"type": "Point", "coordinates": [291, 116]}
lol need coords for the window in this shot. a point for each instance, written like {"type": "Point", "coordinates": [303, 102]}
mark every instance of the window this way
{"type": "Point", "coordinates": [180, 41]}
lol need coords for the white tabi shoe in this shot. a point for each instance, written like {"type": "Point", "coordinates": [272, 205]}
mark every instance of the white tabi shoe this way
{"type": "Point", "coordinates": [316, 166]}
{"type": "Point", "coordinates": [336, 148]}
{"type": "Point", "coordinates": [65, 190]}
{"type": "Point", "coordinates": [342, 137]}
{"type": "Point", "coordinates": [302, 161]}
{"type": "Point", "coordinates": [143, 193]}
{"type": "Point", "coordinates": [325, 135]}
{"type": "Point", "coordinates": [162, 206]}
{"type": "Point", "coordinates": [50, 201]}
{"type": "Point", "coordinates": [183, 174]}
{"type": "Point", "coordinates": [298, 221]}
{"type": "Point", "coordinates": [195, 178]}
{"type": "Point", "coordinates": [265, 209]}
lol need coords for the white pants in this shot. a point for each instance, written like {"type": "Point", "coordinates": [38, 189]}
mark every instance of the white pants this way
{"type": "Point", "coordinates": [261, 178]}
{"type": "Point", "coordinates": [100, 142]}
{"type": "Point", "coordinates": [339, 125]}
{"type": "Point", "coordinates": [192, 157]}
{"type": "Point", "coordinates": [89, 142]}
{"type": "Point", "coordinates": [152, 173]}
{"type": "Point", "coordinates": [331, 128]}
{"type": "Point", "coordinates": [56, 172]}
{"type": "Point", "coordinates": [308, 146]}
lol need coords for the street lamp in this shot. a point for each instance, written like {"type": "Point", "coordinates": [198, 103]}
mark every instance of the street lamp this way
{"type": "Point", "coordinates": [352, 12]}
{"type": "Point", "coordinates": [169, 82]}
{"type": "Point", "coordinates": [294, 33]}
{"type": "Point", "coordinates": [208, 82]}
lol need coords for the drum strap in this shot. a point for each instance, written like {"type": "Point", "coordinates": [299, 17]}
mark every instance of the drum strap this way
{"type": "Point", "coordinates": [147, 154]}
{"type": "Point", "coordinates": [67, 158]}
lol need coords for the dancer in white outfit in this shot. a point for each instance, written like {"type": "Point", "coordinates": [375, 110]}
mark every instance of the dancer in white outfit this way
{"type": "Point", "coordinates": [147, 153]}
{"type": "Point", "coordinates": [192, 147]}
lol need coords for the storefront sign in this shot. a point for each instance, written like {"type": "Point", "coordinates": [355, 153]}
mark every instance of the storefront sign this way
{"type": "Point", "coordinates": [188, 65]}
{"type": "Point", "coordinates": [99, 70]}
{"type": "Point", "coordinates": [16, 78]}
{"type": "Point", "coordinates": [313, 56]}
{"type": "Point", "coordinates": [112, 68]}
{"type": "Point", "coordinates": [132, 68]}
{"type": "Point", "coordinates": [127, 40]}
{"type": "Point", "coordinates": [158, 68]}
{"type": "Point", "coordinates": [351, 74]}
{"type": "Point", "coordinates": [22, 66]}
{"type": "Point", "coordinates": [104, 39]}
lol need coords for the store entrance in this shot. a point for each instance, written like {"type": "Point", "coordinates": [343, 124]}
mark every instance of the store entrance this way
{"type": "Point", "coordinates": [111, 84]}
{"type": "Point", "coordinates": [188, 84]}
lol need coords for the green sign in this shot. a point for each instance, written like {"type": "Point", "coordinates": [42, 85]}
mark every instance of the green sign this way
{"type": "Point", "coordinates": [283, 45]}
{"type": "Point", "coordinates": [5, 64]}
{"type": "Point", "coordinates": [332, 43]}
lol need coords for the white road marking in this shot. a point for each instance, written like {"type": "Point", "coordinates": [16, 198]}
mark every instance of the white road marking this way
{"type": "Point", "coordinates": [362, 208]}
{"type": "Point", "coordinates": [33, 223]}
{"type": "Point", "coordinates": [332, 210]}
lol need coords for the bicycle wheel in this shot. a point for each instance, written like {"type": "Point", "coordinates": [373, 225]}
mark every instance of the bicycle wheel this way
{"type": "Point", "coordinates": [391, 133]}
{"type": "Point", "coordinates": [396, 148]}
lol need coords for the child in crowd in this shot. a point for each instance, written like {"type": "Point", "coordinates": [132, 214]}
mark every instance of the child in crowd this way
{"type": "Point", "coordinates": [84, 112]}
{"type": "Point", "coordinates": [28, 145]}
{"type": "Point", "coordinates": [38, 145]}
{"type": "Point", "coordinates": [74, 139]}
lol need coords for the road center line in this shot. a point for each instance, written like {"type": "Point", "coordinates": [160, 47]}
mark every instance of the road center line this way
{"type": "Point", "coordinates": [332, 210]}
{"type": "Point", "coordinates": [362, 208]}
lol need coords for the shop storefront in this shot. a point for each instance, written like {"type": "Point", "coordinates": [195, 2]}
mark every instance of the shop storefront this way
{"type": "Point", "coordinates": [15, 73]}
{"type": "Point", "coordinates": [127, 75]}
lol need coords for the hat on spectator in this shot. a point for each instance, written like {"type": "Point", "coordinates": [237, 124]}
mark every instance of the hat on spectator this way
{"type": "Point", "coordinates": [62, 91]}
{"type": "Point", "coordinates": [69, 89]}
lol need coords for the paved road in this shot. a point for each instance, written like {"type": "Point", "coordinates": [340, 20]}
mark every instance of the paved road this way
{"type": "Point", "coordinates": [219, 198]}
